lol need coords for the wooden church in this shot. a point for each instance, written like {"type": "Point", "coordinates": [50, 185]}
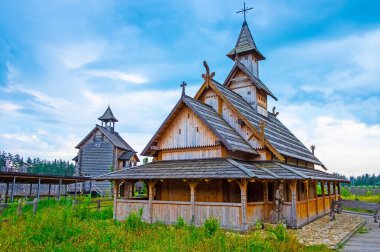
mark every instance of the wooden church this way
{"type": "Point", "coordinates": [222, 154]}
{"type": "Point", "coordinates": [103, 150]}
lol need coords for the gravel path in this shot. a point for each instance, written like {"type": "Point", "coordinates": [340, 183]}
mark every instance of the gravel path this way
{"type": "Point", "coordinates": [365, 241]}
{"type": "Point", "coordinates": [329, 232]}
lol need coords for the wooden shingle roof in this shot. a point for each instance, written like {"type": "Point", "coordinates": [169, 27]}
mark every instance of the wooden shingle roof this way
{"type": "Point", "coordinates": [112, 136]}
{"type": "Point", "coordinates": [108, 116]}
{"type": "Point", "coordinates": [245, 44]}
{"type": "Point", "coordinates": [218, 168]}
{"type": "Point", "coordinates": [255, 81]}
{"type": "Point", "coordinates": [280, 137]}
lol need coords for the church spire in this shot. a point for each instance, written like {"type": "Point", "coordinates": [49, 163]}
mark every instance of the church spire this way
{"type": "Point", "coordinates": [245, 48]}
{"type": "Point", "coordinates": [108, 119]}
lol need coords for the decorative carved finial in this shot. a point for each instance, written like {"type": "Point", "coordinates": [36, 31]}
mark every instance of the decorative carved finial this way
{"type": "Point", "coordinates": [236, 55]}
{"type": "Point", "coordinates": [262, 125]}
{"type": "Point", "coordinates": [312, 147]}
{"type": "Point", "coordinates": [183, 86]}
{"type": "Point", "coordinates": [274, 111]}
{"type": "Point", "coordinates": [244, 10]}
{"type": "Point", "coordinates": [207, 76]}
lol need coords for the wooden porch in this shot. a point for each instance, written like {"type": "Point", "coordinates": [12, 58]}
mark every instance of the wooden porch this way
{"type": "Point", "coordinates": [237, 204]}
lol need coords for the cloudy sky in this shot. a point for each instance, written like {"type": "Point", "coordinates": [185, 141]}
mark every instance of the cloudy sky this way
{"type": "Point", "coordinates": [61, 63]}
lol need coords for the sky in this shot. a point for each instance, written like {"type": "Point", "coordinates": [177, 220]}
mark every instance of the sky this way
{"type": "Point", "coordinates": [63, 62]}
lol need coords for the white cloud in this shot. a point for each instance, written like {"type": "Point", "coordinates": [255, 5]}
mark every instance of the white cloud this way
{"type": "Point", "coordinates": [117, 75]}
{"type": "Point", "coordinates": [9, 107]}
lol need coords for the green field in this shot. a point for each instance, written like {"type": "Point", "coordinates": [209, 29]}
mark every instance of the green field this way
{"type": "Point", "coordinates": [58, 228]}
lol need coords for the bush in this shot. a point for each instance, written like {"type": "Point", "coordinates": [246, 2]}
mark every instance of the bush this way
{"type": "Point", "coordinates": [280, 232]}
{"type": "Point", "coordinates": [211, 226]}
{"type": "Point", "coordinates": [134, 221]}
{"type": "Point", "coordinates": [180, 223]}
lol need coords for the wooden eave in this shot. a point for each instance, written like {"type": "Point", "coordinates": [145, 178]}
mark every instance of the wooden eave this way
{"type": "Point", "coordinates": [256, 133]}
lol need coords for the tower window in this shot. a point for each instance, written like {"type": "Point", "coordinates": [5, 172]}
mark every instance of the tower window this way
{"type": "Point", "coordinates": [197, 129]}
{"type": "Point", "coordinates": [246, 57]}
{"type": "Point", "coordinates": [179, 131]}
{"type": "Point", "coordinates": [249, 92]}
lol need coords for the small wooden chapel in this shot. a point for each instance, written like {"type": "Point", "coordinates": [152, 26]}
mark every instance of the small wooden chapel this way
{"type": "Point", "coordinates": [222, 154]}
{"type": "Point", "coordinates": [101, 151]}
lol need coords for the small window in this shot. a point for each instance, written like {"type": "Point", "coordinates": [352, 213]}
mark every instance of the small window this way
{"type": "Point", "coordinates": [246, 57]}
{"type": "Point", "coordinates": [197, 129]}
{"type": "Point", "coordinates": [179, 131]}
{"type": "Point", "coordinates": [249, 93]}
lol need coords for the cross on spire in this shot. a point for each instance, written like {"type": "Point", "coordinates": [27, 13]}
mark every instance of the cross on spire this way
{"type": "Point", "coordinates": [244, 10]}
{"type": "Point", "coordinates": [183, 86]}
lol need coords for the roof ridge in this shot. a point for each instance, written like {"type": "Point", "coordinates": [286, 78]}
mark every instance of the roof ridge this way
{"type": "Point", "coordinates": [241, 167]}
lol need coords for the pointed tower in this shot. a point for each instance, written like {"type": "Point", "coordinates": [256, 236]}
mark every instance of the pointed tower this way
{"type": "Point", "coordinates": [246, 52]}
{"type": "Point", "coordinates": [108, 119]}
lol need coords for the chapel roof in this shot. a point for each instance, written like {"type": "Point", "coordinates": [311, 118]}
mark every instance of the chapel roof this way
{"type": "Point", "coordinates": [218, 168]}
{"type": "Point", "coordinates": [280, 137]}
{"type": "Point", "coordinates": [108, 116]}
{"type": "Point", "coordinates": [256, 81]}
{"type": "Point", "coordinates": [112, 136]}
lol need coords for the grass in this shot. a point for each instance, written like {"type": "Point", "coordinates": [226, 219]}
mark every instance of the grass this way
{"type": "Point", "coordinates": [56, 227]}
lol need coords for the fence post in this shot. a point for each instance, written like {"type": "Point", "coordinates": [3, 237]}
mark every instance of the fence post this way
{"type": "Point", "coordinates": [98, 207]}
{"type": "Point", "coordinates": [35, 204]}
{"type": "Point", "coordinates": [2, 202]}
{"type": "Point", "coordinates": [74, 202]}
{"type": "Point", "coordinates": [19, 207]}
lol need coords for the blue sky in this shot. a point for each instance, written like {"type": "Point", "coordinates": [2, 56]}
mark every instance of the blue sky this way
{"type": "Point", "coordinates": [61, 63]}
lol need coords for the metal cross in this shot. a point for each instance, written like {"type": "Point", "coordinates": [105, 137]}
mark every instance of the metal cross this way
{"type": "Point", "coordinates": [244, 10]}
{"type": "Point", "coordinates": [183, 85]}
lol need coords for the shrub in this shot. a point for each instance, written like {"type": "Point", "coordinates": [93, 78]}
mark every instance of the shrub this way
{"type": "Point", "coordinates": [279, 232]}
{"type": "Point", "coordinates": [180, 223]}
{"type": "Point", "coordinates": [134, 221]}
{"type": "Point", "coordinates": [211, 226]}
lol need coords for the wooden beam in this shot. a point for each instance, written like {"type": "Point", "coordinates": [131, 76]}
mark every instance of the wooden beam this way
{"type": "Point", "coordinates": [151, 184]}
{"type": "Point", "coordinates": [323, 195]}
{"type": "Point", "coordinates": [38, 188]}
{"type": "Point", "coordinates": [13, 188]}
{"type": "Point", "coordinates": [193, 185]}
{"type": "Point", "coordinates": [266, 193]}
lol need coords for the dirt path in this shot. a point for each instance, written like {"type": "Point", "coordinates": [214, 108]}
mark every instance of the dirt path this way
{"type": "Point", "coordinates": [369, 240]}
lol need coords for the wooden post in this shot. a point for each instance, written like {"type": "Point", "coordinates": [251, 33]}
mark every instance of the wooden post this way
{"type": "Point", "coordinates": [49, 191]}
{"type": "Point", "coordinates": [151, 184]}
{"type": "Point", "coordinates": [98, 205]}
{"type": "Point", "coordinates": [324, 196]}
{"type": "Point", "coordinates": [334, 190]}
{"type": "Point", "coordinates": [13, 189]}
{"type": "Point", "coordinates": [35, 204]}
{"type": "Point", "coordinates": [329, 192]}
{"type": "Point", "coordinates": [91, 188]}
{"type": "Point", "coordinates": [193, 185]}
{"type": "Point", "coordinates": [19, 207]}
{"type": "Point", "coordinates": [75, 193]}
{"type": "Point", "coordinates": [243, 183]}
{"type": "Point", "coordinates": [293, 188]}
{"type": "Point", "coordinates": [65, 191]}
{"type": "Point", "coordinates": [59, 189]}
{"type": "Point", "coordinates": [338, 189]}
{"type": "Point", "coordinates": [307, 199]}
{"type": "Point", "coordinates": [266, 217]}
{"type": "Point", "coordinates": [7, 193]}
{"type": "Point", "coordinates": [38, 188]}
{"type": "Point", "coordinates": [115, 192]}
{"type": "Point", "coordinates": [30, 189]}
{"type": "Point", "coordinates": [316, 196]}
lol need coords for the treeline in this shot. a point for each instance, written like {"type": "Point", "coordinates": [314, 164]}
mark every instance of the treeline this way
{"type": "Point", "coordinates": [16, 163]}
{"type": "Point", "coordinates": [363, 180]}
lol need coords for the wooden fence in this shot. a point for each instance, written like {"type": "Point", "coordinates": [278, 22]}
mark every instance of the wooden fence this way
{"type": "Point", "coordinates": [21, 204]}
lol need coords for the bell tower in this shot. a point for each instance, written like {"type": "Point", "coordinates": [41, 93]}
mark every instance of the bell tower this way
{"type": "Point", "coordinates": [245, 50]}
{"type": "Point", "coordinates": [108, 120]}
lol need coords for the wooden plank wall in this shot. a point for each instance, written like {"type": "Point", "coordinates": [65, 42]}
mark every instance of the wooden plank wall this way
{"type": "Point", "coordinates": [229, 214]}
{"type": "Point", "coordinates": [255, 212]}
{"type": "Point", "coordinates": [125, 207]}
{"type": "Point", "coordinates": [186, 131]}
{"type": "Point", "coordinates": [170, 211]}
{"type": "Point", "coordinates": [205, 152]}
